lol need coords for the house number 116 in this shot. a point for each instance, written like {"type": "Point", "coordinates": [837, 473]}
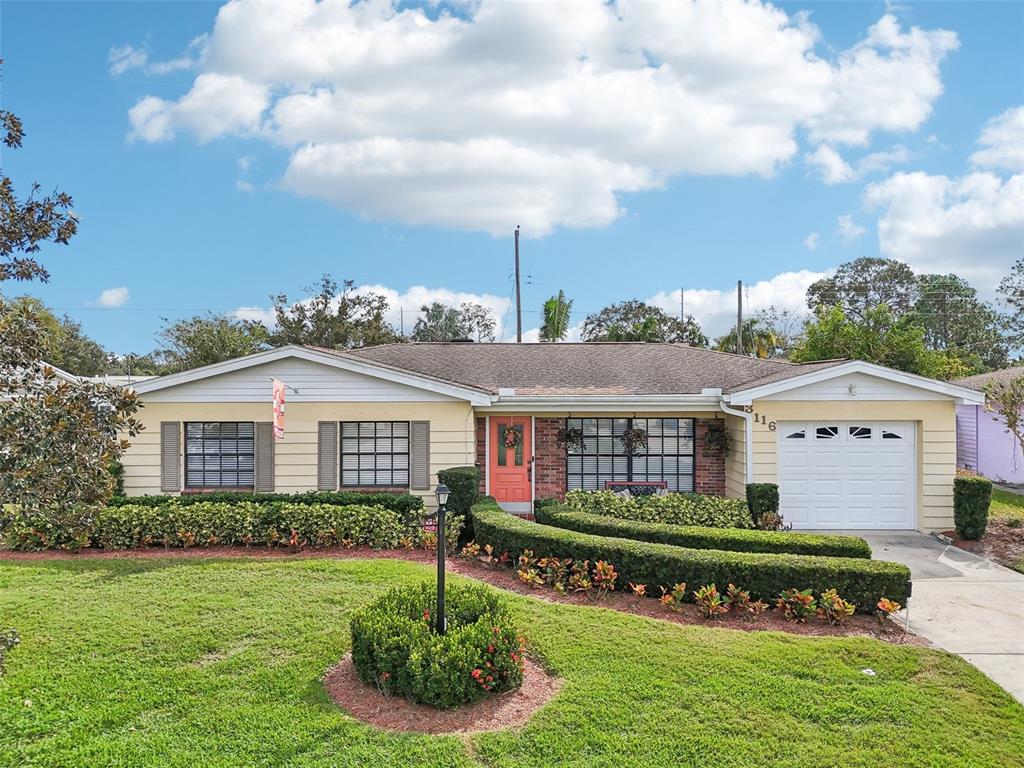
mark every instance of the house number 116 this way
{"type": "Point", "coordinates": [760, 418]}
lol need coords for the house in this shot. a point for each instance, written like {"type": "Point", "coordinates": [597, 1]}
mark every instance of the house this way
{"type": "Point", "coordinates": [852, 445]}
{"type": "Point", "coordinates": [983, 443]}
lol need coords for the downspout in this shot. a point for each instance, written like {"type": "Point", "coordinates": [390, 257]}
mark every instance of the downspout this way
{"type": "Point", "coordinates": [748, 436]}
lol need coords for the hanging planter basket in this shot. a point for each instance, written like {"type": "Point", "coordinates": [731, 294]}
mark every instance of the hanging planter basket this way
{"type": "Point", "coordinates": [717, 440]}
{"type": "Point", "coordinates": [571, 438]}
{"type": "Point", "coordinates": [633, 439]}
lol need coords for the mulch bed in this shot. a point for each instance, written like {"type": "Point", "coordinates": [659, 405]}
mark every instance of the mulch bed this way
{"type": "Point", "coordinates": [1001, 543]}
{"type": "Point", "coordinates": [506, 710]}
{"type": "Point", "coordinates": [505, 578]}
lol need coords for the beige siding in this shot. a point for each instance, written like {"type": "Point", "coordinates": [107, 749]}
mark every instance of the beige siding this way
{"type": "Point", "coordinates": [936, 433]}
{"type": "Point", "coordinates": [736, 461]}
{"type": "Point", "coordinates": [452, 441]}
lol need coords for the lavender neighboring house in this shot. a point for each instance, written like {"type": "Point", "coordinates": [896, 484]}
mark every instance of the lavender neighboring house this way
{"type": "Point", "coordinates": [983, 443]}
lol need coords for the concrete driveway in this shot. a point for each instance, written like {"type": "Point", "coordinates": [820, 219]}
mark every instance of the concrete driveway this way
{"type": "Point", "coordinates": [963, 603]}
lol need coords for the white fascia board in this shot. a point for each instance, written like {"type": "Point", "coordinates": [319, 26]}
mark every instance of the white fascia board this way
{"type": "Point", "coordinates": [602, 403]}
{"type": "Point", "coordinates": [962, 395]}
{"type": "Point", "coordinates": [474, 396]}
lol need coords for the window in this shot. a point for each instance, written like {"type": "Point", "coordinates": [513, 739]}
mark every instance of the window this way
{"type": "Point", "coordinates": [826, 433]}
{"type": "Point", "coordinates": [800, 434]}
{"type": "Point", "coordinates": [219, 454]}
{"type": "Point", "coordinates": [375, 453]}
{"type": "Point", "coordinates": [860, 433]}
{"type": "Point", "coordinates": [668, 456]}
{"type": "Point", "coordinates": [887, 435]}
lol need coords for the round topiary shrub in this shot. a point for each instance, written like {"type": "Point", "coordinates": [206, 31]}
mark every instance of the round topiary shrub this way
{"type": "Point", "coordinates": [395, 647]}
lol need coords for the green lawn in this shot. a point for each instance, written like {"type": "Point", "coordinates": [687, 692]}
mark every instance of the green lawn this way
{"type": "Point", "coordinates": [192, 662]}
{"type": "Point", "coordinates": [1006, 504]}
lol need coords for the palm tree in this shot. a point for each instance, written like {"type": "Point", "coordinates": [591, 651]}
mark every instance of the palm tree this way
{"type": "Point", "coordinates": [439, 323]}
{"type": "Point", "coordinates": [556, 318]}
{"type": "Point", "coordinates": [758, 340]}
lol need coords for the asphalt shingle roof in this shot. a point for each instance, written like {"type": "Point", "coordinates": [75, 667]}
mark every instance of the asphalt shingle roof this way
{"type": "Point", "coordinates": [584, 369]}
{"type": "Point", "coordinates": [980, 380]}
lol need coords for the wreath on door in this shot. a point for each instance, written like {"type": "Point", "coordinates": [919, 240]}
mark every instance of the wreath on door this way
{"type": "Point", "coordinates": [512, 438]}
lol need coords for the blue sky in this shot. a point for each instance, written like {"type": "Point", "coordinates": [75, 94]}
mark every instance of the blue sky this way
{"type": "Point", "coordinates": [639, 153]}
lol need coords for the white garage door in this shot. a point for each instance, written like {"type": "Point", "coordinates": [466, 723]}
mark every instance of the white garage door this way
{"type": "Point", "coordinates": [836, 474]}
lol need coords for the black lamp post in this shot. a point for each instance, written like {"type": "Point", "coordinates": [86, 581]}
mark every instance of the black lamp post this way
{"type": "Point", "coordinates": [442, 499]}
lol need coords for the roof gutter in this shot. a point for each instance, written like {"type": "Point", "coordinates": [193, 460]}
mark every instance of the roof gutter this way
{"type": "Point", "coordinates": [748, 439]}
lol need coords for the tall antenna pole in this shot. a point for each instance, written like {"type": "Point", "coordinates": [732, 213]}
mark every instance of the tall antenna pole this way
{"type": "Point", "coordinates": [739, 317]}
{"type": "Point", "coordinates": [682, 305]}
{"type": "Point", "coordinates": [519, 304]}
{"type": "Point", "coordinates": [401, 320]}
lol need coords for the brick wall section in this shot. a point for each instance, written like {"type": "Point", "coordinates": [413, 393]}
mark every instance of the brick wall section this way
{"type": "Point", "coordinates": [710, 473]}
{"type": "Point", "coordinates": [549, 463]}
{"type": "Point", "coordinates": [481, 451]}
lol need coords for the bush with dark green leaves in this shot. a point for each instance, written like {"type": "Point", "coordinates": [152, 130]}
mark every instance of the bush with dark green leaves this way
{"type": "Point", "coordinates": [402, 503]}
{"type": "Point", "coordinates": [971, 499]}
{"type": "Point", "coordinates": [859, 580]}
{"type": "Point", "coordinates": [463, 486]}
{"type": "Point", "coordinates": [698, 537]}
{"type": "Point", "coordinates": [210, 523]}
{"type": "Point", "coordinates": [396, 648]}
{"type": "Point", "coordinates": [762, 499]}
{"type": "Point", "coordinates": [675, 508]}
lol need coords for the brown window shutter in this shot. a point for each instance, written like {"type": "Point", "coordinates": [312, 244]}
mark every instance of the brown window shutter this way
{"type": "Point", "coordinates": [419, 455]}
{"type": "Point", "coordinates": [327, 455]}
{"type": "Point", "coordinates": [264, 471]}
{"type": "Point", "coordinates": [170, 456]}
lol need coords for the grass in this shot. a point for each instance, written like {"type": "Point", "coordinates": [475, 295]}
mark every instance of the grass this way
{"type": "Point", "coordinates": [1006, 505]}
{"type": "Point", "coordinates": [185, 662]}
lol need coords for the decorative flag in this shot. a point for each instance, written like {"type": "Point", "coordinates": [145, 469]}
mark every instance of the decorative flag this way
{"type": "Point", "coordinates": [278, 409]}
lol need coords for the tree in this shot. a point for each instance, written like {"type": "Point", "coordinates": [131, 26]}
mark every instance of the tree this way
{"type": "Point", "coordinates": [859, 286]}
{"type": "Point", "coordinates": [956, 321]}
{"type": "Point", "coordinates": [67, 347]}
{"type": "Point", "coordinates": [635, 320]}
{"type": "Point", "coordinates": [26, 224]}
{"type": "Point", "coordinates": [443, 322]}
{"type": "Point", "coordinates": [758, 340]}
{"type": "Point", "coordinates": [201, 340]}
{"type": "Point", "coordinates": [557, 310]}
{"type": "Point", "coordinates": [333, 319]}
{"type": "Point", "coordinates": [1006, 400]}
{"type": "Point", "coordinates": [1011, 290]}
{"type": "Point", "coordinates": [57, 439]}
{"type": "Point", "coordinates": [783, 325]}
{"type": "Point", "coordinates": [880, 338]}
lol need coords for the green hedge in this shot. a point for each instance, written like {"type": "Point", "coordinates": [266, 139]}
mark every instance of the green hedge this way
{"type": "Point", "coordinates": [762, 499]}
{"type": "Point", "coordinates": [696, 537]}
{"type": "Point", "coordinates": [861, 581]}
{"type": "Point", "coordinates": [971, 499]}
{"type": "Point", "coordinates": [211, 523]}
{"type": "Point", "coordinates": [674, 508]}
{"type": "Point", "coordinates": [403, 503]}
{"type": "Point", "coordinates": [464, 487]}
{"type": "Point", "coordinates": [395, 647]}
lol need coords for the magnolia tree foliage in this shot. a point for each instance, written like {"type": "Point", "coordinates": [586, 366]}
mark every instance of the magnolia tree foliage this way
{"type": "Point", "coordinates": [58, 439]}
{"type": "Point", "coordinates": [1005, 399]}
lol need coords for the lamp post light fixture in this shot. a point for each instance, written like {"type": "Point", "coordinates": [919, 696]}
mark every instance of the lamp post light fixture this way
{"type": "Point", "coordinates": [441, 492]}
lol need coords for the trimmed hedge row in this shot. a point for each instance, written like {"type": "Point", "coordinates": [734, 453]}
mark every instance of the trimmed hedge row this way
{"type": "Point", "coordinates": [674, 508]}
{"type": "Point", "coordinates": [403, 503]}
{"type": "Point", "coordinates": [972, 497]}
{"type": "Point", "coordinates": [697, 537]}
{"type": "Point", "coordinates": [860, 581]}
{"type": "Point", "coordinates": [213, 523]}
{"type": "Point", "coordinates": [395, 647]}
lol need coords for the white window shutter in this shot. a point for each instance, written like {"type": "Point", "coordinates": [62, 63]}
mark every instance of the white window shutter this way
{"type": "Point", "coordinates": [327, 455]}
{"type": "Point", "coordinates": [170, 456]}
{"type": "Point", "coordinates": [264, 474]}
{"type": "Point", "coordinates": [419, 455]}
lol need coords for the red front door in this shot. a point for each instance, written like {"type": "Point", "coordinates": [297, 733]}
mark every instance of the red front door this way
{"type": "Point", "coordinates": [511, 462]}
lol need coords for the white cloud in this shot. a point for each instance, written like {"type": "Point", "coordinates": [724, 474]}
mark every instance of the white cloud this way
{"type": "Point", "coordinates": [811, 241]}
{"type": "Point", "coordinates": [112, 297]}
{"type": "Point", "coordinates": [973, 225]}
{"type": "Point", "coordinates": [1002, 142]}
{"type": "Point", "coordinates": [244, 186]}
{"type": "Point", "coordinates": [525, 118]}
{"type": "Point", "coordinates": [847, 229]}
{"type": "Point", "coordinates": [833, 169]}
{"type": "Point", "coordinates": [715, 310]}
{"type": "Point", "coordinates": [245, 163]}
{"type": "Point", "coordinates": [125, 57]}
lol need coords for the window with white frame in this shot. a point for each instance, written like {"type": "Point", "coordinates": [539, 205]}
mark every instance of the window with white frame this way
{"type": "Point", "coordinates": [375, 453]}
{"type": "Point", "coordinates": [219, 454]}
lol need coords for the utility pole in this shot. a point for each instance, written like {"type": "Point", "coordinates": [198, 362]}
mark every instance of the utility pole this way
{"type": "Point", "coordinates": [401, 320]}
{"type": "Point", "coordinates": [519, 304]}
{"type": "Point", "coordinates": [682, 306]}
{"type": "Point", "coordinates": [739, 317]}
